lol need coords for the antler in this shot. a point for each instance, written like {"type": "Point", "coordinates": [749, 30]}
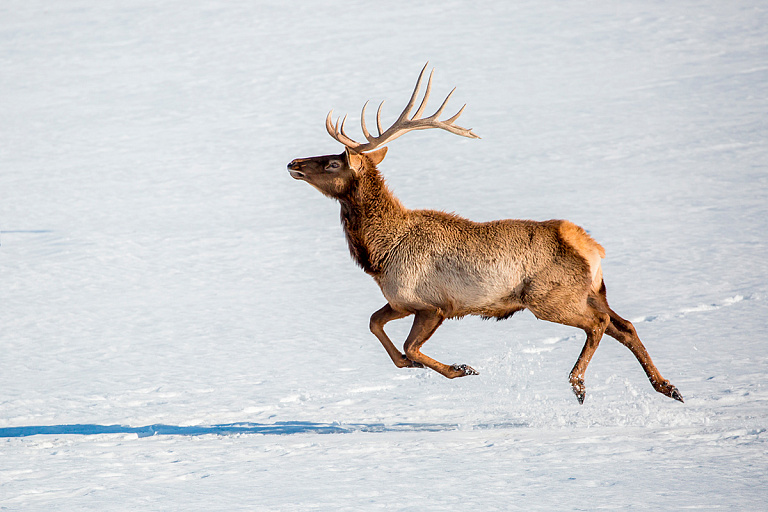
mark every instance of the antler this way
{"type": "Point", "coordinates": [403, 124]}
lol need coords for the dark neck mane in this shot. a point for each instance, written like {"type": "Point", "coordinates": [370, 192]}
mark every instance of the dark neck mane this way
{"type": "Point", "coordinates": [371, 216]}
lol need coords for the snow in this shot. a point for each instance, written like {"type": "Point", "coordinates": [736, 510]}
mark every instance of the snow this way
{"type": "Point", "coordinates": [182, 327]}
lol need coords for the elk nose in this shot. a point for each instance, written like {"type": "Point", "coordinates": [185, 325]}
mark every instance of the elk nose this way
{"type": "Point", "coordinates": [294, 169]}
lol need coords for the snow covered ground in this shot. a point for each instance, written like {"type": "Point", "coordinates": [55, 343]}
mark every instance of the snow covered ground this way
{"type": "Point", "coordinates": [181, 327]}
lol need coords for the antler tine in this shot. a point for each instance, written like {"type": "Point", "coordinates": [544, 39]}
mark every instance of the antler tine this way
{"type": "Point", "coordinates": [362, 124]}
{"type": "Point", "coordinates": [450, 120]}
{"type": "Point", "coordinates": [440, 110]}
{"type": "Point", "coordinates": [329, 123]}
{"type": "Point", "coordinates": [458, 130]}
{"type": "Point", "coordinates": [423, 105]}
{"type": "Point", "coordinates": [342, 126]}
{"type": "Point", "coordinates": [448, 123]}
{"type": "Point", "coordinates": [414, 95]}
{"type": "Point", "coordinates": [337, 134]}
{"type": "Point", "coordinates": [355, 145]}
{"type": "Point", "coordinates": [378, 119]}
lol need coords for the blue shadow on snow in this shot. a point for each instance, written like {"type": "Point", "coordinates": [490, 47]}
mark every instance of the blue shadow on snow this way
{"type": "Point", "coordinates": [278, 428]}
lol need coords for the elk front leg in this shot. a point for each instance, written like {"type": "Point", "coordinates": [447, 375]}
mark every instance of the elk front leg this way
{"type": "Point", "coordinates": [424, 325]}
{"type": "Point", "coordinates": [592, 321]}
{"type": "Point", "coordinates": [378, 319]}
{"type": "Point", "coordinates": [594, 335]}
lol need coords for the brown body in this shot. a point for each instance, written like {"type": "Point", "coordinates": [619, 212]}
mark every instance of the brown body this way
{"type": "Point", "coordinates": [436, 265]}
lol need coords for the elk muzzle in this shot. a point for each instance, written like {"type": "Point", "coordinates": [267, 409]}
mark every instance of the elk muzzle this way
{"type": "Point", "coordinates": [294, 168]}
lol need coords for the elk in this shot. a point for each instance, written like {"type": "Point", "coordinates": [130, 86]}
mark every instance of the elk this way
{"type": "Point", "coordinates": [436, 265]}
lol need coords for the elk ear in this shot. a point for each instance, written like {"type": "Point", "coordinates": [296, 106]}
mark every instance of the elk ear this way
{"type": "Point", "coordinates": [377, 156]}
{"type": "Point", "coordinates": [354, 160]}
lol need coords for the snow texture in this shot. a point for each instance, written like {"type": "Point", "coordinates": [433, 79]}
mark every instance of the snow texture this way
{"type": "Point", "coordinates": [181, 327]}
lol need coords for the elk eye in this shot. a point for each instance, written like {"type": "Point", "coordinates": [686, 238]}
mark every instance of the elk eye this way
{"type": "Point", "coordinates": [333, 164]}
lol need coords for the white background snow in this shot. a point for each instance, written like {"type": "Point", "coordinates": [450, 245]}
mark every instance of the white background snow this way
{"type": "Point", "coordinates": [181, 327]}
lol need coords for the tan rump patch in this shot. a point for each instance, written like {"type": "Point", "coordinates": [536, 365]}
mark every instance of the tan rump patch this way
{"type": "Point", "coordinates": [587, 247]}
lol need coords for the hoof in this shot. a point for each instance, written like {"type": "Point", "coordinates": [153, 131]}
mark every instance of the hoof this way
{"type": "Point", "coordinates": [671, 391]}
{"type": "Point", "coordinates": [464, 370]}
{"type": "Point", "coordinates": [674, 393]}
{"type": "Point", "coordinates": [579, 390]}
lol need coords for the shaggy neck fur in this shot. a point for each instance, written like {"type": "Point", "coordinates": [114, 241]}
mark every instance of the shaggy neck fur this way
{"type": "Point", "coordinates": [372, 217]}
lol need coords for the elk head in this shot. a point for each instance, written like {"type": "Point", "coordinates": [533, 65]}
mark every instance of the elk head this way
{"type": "Point", "coordinates": [333, 175]}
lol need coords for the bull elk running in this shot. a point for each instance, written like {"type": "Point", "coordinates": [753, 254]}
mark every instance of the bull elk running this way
{"type": "Point", "coordinates": [436, 265]}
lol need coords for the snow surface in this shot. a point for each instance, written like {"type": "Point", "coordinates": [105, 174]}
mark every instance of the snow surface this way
{"type": "Point", "coordinates": [181, 327]}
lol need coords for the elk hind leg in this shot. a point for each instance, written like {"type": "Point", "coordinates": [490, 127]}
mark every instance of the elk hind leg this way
{"type": "Point", "coordinates": [625, 333]}
{"type": "Point", "coordinates": [424, 325]}
{"type": "Point", "coordinates": [378, 320]}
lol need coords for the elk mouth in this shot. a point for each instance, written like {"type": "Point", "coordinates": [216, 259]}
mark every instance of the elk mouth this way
{"type": "Point", "coordinates": [293, 169]}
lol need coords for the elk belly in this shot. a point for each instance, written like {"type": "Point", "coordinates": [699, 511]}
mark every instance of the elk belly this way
{"type": "Point", "coordinates": [458, 292]}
